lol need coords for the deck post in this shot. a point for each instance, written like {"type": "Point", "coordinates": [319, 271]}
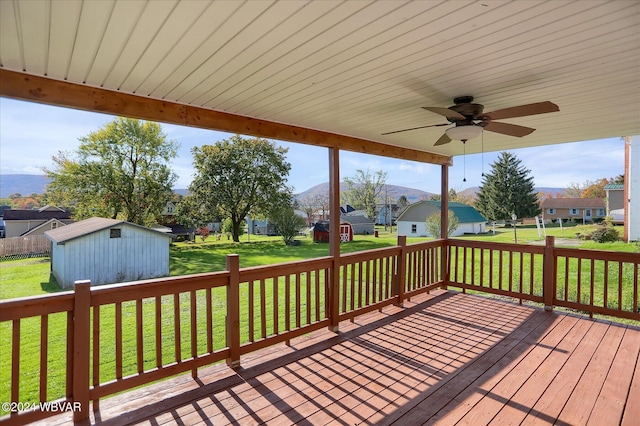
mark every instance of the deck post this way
{"type": "Point", "coordinates": [81, 348]}
{"type": "Point", "coordinates": [334, 239]}
{"type": "Point", "coordinates": [444, 224]}
{"type": "Point", "coordinates": [549, 274]}
{"type": "Point", "coordinates": [401, 272]}
{"type": "Point", "coordinates": [233, 310]}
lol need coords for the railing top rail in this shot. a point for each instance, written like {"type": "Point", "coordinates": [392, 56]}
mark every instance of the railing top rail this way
{"type": "Point", "coordinates": [421, 245]}
{"type": "Point", "coordinates": [597, 254]}
{"type": "Point", "coordinates": [524, 248]}
{"type": "Point", "coordinates": [253, 273]}
{"type": "Point", "coordinates": [31, 306]}
{"type": "Point", "coordinates": [135, 290]}
{"type": "Point", "coordinates": [359, 256]}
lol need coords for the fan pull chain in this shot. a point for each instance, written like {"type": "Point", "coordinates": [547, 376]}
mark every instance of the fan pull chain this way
{"type": "Point", "coordinates": [464, 160]}
{"type": "Point", "coordinates": [482, 152]}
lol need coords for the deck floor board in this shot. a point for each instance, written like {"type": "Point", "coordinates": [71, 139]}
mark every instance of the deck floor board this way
{"type": "Point", "coordinates": [445, 358]}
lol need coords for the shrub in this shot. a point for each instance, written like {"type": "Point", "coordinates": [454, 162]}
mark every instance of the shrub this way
{"type": "Point", "coordinates": [605, 233]}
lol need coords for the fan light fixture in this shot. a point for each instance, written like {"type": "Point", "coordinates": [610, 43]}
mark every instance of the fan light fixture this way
{"type": "Point", "coordinates": [464, 133]}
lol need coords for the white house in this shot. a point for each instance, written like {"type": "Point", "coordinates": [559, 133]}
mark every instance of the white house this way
{"type": "Point", "coordinates": [107, 251]}
{"type": "Point", "coordinates": [412, 221]}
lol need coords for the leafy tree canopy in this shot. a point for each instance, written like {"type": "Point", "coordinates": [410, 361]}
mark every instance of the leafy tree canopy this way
{"type": "Point", "coordinates": [364, 190]}
{"type": "Point", "coordinates": [433, 224]}
{"type": "Point", "coordinates": [120, 171]}
{"type": "Point", "coordinates": [237, 177]}
{"type": "Point", "coordinates": [287, 223]}
{"type": "Point", "coordinates": [507, 189]}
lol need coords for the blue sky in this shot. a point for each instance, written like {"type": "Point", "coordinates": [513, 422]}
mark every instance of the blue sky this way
{"type": "Point", "coordinates": [30, 134]}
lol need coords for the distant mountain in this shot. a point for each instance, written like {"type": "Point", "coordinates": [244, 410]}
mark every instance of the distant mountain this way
{"type": "Point", "coordinates": [392, 191]}
{"type": "Point", "coordinates": [33, 184]}
{"type": "Point", "coordinates": [22, 184]}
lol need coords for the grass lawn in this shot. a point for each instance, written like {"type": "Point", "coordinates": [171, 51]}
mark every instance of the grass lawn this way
{"type": "Point", "coordinates": [30, 277]}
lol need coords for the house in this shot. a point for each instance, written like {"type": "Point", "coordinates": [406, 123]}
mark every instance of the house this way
{"type": "Point", "coordinates": [107, 251]}
{"type": "Point", "coordinates": [615, 196]}
{"type": "Point", "coordinates": [576, 209]}
{"type": "Point", "coordinates": [21, 221]}
{"type": "Point", "coordinates": [386, 214]}
{"type": "Point", "coordinates": [412, 221]}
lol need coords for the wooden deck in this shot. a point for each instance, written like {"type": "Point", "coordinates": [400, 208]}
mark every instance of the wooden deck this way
{"type": "Point", "coordinates": [446, 358]}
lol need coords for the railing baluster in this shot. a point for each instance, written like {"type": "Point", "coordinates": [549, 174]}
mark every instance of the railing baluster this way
{"type": "Point", "coordinates": [298, 300]}
{"type": "Point", "coordinates": [44, 351]}
{"type": "Point", "coordinates": [263, 309]}
{"type": "Point", "coordinates": [139, 337]}
{"type": "Point", "coordinates": [309, 283]}
{"type": "Point", "coordinates": [605, 281]}
{"type": "Point", "coordinates": [118, 321]}
{"type": "Point", "coordinates": [251, 311]}
{"type": "Point", "coordinates": [620, 266]}
{"type": "Point", "coordinates": [194, 330]}
{"type": "Point", "coordinates": [96, 352]}
{"type": "Point", "coordinates": [176, 327]}
{"type": "Point", "coordinates": [15, 360]}
{"type": "Point", "coordinates": [287, 303]}
{"type": "Point", "coordinates": [209, 314]}
{"type": "Point", "coordinates": [158, 330]}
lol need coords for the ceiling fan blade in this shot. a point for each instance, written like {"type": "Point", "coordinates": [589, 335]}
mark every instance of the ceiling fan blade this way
{"type": "Point", "coordinates": [522, 110]}
{"type": "Point", "coordinates": [416, 128]}
{"type": "Point", "coordinates": [449, 113]}
{"type": "Point", "coordinates": [508, 129]}
{"type": "Point", "coordinates": [444, 139]}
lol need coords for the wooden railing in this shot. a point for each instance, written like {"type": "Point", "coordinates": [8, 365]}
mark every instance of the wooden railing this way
{"type": "Point", "coordinates": [97, 341]}
{"type": "Point", "coordinates": [513, 270]}
{"type": "Point", "coordinates": [589, 281]}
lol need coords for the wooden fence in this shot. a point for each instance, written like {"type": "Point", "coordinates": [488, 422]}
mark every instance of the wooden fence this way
{"type": "Point", "coordinates": [18, 247]}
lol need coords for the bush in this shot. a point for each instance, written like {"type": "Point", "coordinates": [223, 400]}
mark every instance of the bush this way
{"type": "Point", "coordinates": [605, 233]}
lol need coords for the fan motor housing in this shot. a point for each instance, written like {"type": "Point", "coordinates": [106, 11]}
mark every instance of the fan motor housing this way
{"type": "Point", "coordinates": [464, 105]}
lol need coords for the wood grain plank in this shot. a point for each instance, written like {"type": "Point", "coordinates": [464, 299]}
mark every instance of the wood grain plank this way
{"type": "Point", "coordinates": [609, 406]}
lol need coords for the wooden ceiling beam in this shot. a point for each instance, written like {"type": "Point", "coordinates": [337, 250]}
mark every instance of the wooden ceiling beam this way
{"type": "Point", "coordinates": [46, 90]}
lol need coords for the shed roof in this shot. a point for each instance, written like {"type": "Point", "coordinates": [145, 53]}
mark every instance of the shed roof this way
{"type": "Point", "coordinates": [89, 226]}
{"type": "Point", "coordinates": [614, 186]}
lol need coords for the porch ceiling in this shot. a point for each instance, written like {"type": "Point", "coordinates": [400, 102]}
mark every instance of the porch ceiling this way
{"type": "Point", "coordinates": [352, 68]}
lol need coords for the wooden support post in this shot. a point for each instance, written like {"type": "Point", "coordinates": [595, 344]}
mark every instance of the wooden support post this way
{"type": "Point", "coordinates": [81, 348]}
{"type": "Point", "coordinates": [233, 311]}
{"type": "Point", "coordinates": [334, 239]}
{"type": "Point", "coordinates": [444, 225]}
{"type": "Point", "coordinates": [401, 272]}
{"type": "Point", "coordinates": [549, 274]}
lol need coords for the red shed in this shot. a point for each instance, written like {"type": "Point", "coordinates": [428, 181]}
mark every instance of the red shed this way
{"type": "Point", "coordinates": [321, 232]}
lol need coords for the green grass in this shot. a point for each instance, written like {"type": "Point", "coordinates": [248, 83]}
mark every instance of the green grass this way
{"type": "Point", "coordinates": [30, 277]}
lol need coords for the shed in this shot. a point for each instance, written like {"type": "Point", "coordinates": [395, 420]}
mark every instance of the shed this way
{"type": "Point", "coordinates": [107, 251]}
{"type": "Point", "coordinates": [412, 221]}
{"type": "Point", "coordinates": [321, 232]}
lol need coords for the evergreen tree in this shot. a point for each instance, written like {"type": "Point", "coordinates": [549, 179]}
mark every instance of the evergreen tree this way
{"type": "Point", "coordinates": [507, 189]}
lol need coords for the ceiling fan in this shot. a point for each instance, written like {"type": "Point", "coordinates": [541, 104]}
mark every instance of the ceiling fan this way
{"type": "Point", "coordinates": [469, 119]}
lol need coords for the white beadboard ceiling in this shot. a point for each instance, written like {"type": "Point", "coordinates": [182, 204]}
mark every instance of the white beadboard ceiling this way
{"type": "Point", "coordinates": [357, 68]}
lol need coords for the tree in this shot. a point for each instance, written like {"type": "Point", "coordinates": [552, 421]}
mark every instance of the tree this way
{"type": "Point", "coordinates": [310, 206]}
{"type": "Point", "coordinates": [433, 224]}
{"type": "Point", "coordinates": [287, 223]}
{"type": "Point", "coordinates": [119, 171]}
{"type": "Point", "coordinates": [364, 190]}
{"type": "Point", "coordinates": [237, 177]}
{"type": "Point", "coordinates": [595, 189]}
{"type": "Point", "coordinates": [507, 189]}
{"type": "Point", "coordinates": [403, 202]}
